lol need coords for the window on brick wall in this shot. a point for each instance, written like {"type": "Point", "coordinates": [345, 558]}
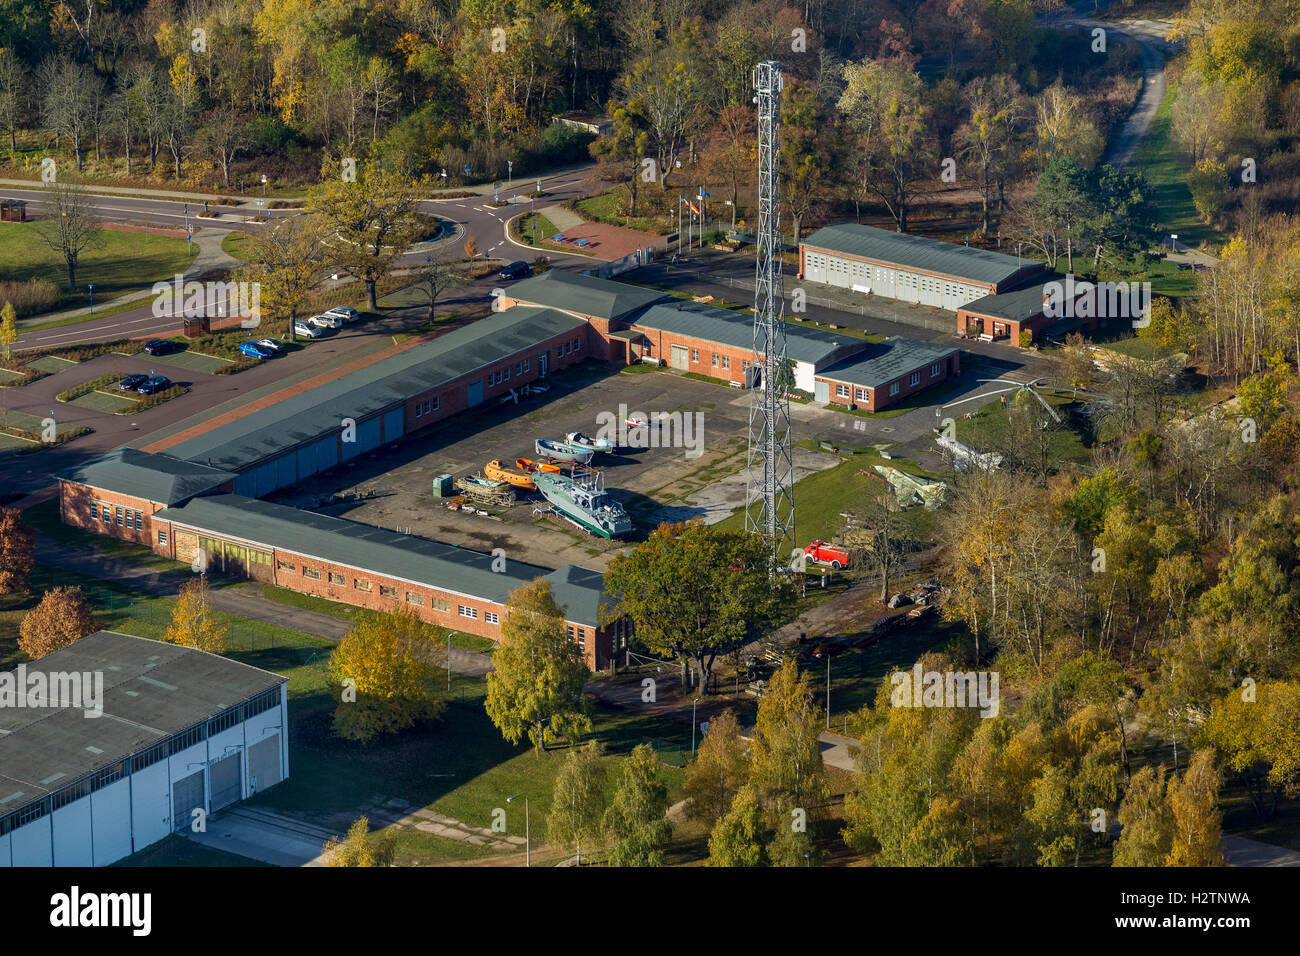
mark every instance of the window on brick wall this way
{"type": "Point", "coordinates": [491, 617]}
{"type": "Point", "coordinates": [893, 388]}
{"type": "Point", "coordinates": [284, 566]}
{"type": "Point", "coordinates": [506, 373]}
{"type": "Point", "coordinates": [108, 514]}
{"type": "Point", "coordinates": [915, 379]}
{"type": "Point", "coordinates": [519, 368]}
{"type": "Point", "coordinates": [528, 364]}
{"type": "Point", "coordinates": [582, 638]}
{"type": "Point", "coordinates": [861, 394]}
{"type": "Point", "coordinates": [569, 628]}
{"type": "Point", "coordinates": [416, 599]}
{"type": "Point", "coordinates": [935, 370]}
{"type": "Point", "coordinates": [94, 511]}
{"type": "Point", "coordinates": [162, 537]}
{"type": "Point", "coordinates": [439, 605]}
{"type": "Point", "coordinates": [841, 391]}
{"type": "Point", "coordinates": [361, 585]}
{"type": "Point", "coordinates": [386, 592]}
{"type": "Point", "coordinates": [559, 351]}
{"type": "Point", "coordinates": [715, 359]}
{"type": "Point", "coordinates": [469, 612]}
{"type": "Point", "coordinates": [435, 404]}
{"type": "Point", "coordinates": [118, 514]}
{"type": "Point", "coordinates": [695, 355]}
{"type": "Point", "coordinates": [577, 345]}
{"type": "Point", "coordinates": [337, 578]}
{"type": "Point", "coordinates": [313, 573]}
{"type": "Point", "coordinates": [726, 361]}
{"type": "Point", "coordinates": [419, 409]}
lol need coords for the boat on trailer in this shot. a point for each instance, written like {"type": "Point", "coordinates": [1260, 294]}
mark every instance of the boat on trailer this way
{"type": "Point", "coordinates": [549, 449]}
{"type": "Point", "coordinates": [585, 502]}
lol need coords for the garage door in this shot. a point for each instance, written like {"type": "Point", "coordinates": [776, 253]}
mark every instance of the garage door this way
{"type": "Point", "coordinates": [474, 392]}
{"type": "Point", "coordinates": [225, 781]}
{"type": "Point", "coordinates": [681, 357]}
{"type": "Point", "coordinates": [264, 764]}
{"type": "Point", "coordinates": [837, 271]}
{"type": "Point", "coordinates": [187, 794]}
{"type": "Point", "coordinates": [822, 392]}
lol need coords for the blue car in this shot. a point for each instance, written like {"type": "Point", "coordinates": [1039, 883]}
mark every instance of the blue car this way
{"type": "Point", "coordinates": [254, 351]}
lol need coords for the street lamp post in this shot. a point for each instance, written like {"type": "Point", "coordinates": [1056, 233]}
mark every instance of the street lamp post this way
{"type": "Point", "coordinates": [828, 692]}
{"type": "Point", "coordinates": [693, 703]}
{"type": "Point", "coordinates": [510, 172]}
{"type": "Point", "coordinates": [528, 832]}
{"type": "Point", "coordinates": [91, 287]}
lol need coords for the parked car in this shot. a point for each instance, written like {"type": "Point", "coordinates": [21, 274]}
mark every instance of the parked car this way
{"type": "Point", "coordinates": [823, 552]}
{"type": "Point", "coordinates": [344, 313]}
{"type": "Point", "coordinates": [516, 270]}
{"type": "Point", "coordinates": [306, 331]}
{"type": "Point", "coordinates": [154, 385]}
{"type": "Point", "coordinates": [132, 382]}
{"type": "Point", "coordinates": [275, 345]}
{"type": "Point", "coordinates": [326, 321]}
{"type": "Point", "coordinates": [161, 346]}
{"type": "Point", "coordinates": [254, 351]}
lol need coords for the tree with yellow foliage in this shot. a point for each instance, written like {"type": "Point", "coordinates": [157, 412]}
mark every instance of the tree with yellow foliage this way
{"type": "Point", "coordinates": [62, 618]}
{"type": "Point", "coordinates": [385, 674]}
{"type": "Point", "coordinates": [1197, 829]}
{"type": "Point", "coordinates": [194, 624]}
{"type": "Point", "coordinates": [359, 848]}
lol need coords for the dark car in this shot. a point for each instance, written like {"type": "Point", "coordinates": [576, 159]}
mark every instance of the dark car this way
{"type": "Point", "coordinates": [160, 346]}
{"type": "Point", "coordinates": [155, 385]}
{"type": "Point", "coordinates": [132, 382]}
{"type": "Point", "coordinates": [516, 270]}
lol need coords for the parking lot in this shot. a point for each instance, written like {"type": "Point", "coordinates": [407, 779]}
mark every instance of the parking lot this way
{"type": "Point", "coordinates": [394, 485]}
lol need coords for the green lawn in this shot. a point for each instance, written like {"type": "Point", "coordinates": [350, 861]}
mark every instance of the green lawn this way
{"type": "Point", "coordinates": [1166, 170]}
{"type": "Point", "coordinates": [987, 430]}
{"type": "Point", "coordinates": [194, 361]}
{"type": "Point", "coordinates": [605, 207]}
{"type": "Point", "coordinates": [120, 262]}
{"type": "Point", "coordinates": [820, 498]}
{"type": "Point", "coordinates": [98, 401]}
{"type": "Point", "coordinates": [51, 364]}
{"type": "Point", "coordinates": [237, 245]}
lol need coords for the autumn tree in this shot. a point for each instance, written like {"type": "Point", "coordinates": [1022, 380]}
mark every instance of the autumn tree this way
{"type": "Point", "coordinates": [882, 538]}
{"type": "Point", "coordinates": [635, 820]}
{"type": "Point", "coordinates": [194, 623]}
{"type": "Point", "coordinates": [578, 799]}
{"type": "Point", "coordinates": [1197, 823]}
{"type": "Point", "coordinates": [719, 770]}
{"type": "Point", "coordinates": [538, 671]}
{"type": "Point", "coordinates": [740, 838]}
{"type": "Point", "coordinates": [694, 592]}
{"type": "Point", "coordinates": [435, 277]}
{"type": "Point", "coordinates": [359, 848]}
{"type": "Point", "coordinates": [8, 327]}
{"type": "Point", "coordinates": [385, 674]}
{"type": "Point", "coordinates": [17, 552]}
{"type": "Point", "coordinates": [786, 765]}
{"type": "Point", "coordinates": [1256, 731]}
{"type": "Point", "coordinates": [371, 220]}
{"type": "Point", "coordinates": [286, 261]}
{"type": "Point", "coordinates": [62, 618]}
{"type": "Point", "coordinates": [988, 138]}
{"type": "Point", "coordinates": [1146, 834]}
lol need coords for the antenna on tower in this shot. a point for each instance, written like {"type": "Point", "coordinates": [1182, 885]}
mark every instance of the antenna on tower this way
{"type": "Point", "coordinates": [769, 509]}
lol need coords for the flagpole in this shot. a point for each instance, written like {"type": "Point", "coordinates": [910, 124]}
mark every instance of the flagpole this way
{"type": "Point", "coordinates": [679, 226]}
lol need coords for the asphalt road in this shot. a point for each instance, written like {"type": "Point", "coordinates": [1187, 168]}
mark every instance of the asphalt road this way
{"type": "Point", "coordinates": [469, 217]}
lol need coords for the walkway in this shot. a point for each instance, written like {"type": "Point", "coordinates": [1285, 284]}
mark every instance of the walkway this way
{"type": "Point", "coordinates": [263, 835]}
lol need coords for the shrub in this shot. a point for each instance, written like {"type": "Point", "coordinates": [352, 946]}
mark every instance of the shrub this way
{"type": "Point", "coordinates": [29, 297]}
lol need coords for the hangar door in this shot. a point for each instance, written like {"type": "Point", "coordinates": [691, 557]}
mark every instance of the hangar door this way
{"type": "Point", "coordinates": [187, 795]}
{"type": "Point", "coordinates": [681, 357]}
{"type": "Point", "coordinates": [837, 271]}
{"type": "Point", "coordinates": [225, 781]}
{"type": "Point", "coordinates": [264, 764]}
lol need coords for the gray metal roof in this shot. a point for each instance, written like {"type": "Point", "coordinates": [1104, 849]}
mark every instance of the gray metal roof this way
{"type": "Point", "coordinates": [881, 364]}
{"type": "Point", "coordinates": [311, 414]}
{"type": "Point", "coordinates": [586, 295]}
{"type": "Point", "coordinates": [1017, 305]}
{"type": "Point", "coordinates": [367, 548]}
{"type": "Point", "coordinates": [151, 691]}
{"type": "Point", "coordinates": [709, 323]}
{"type": "Point", "coordinates": [162, 478]}
{"type": "Point", "coordinates": [918, 252]}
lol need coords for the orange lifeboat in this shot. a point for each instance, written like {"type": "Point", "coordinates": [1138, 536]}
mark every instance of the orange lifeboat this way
{"type": "Point", "coordinates": [498, 472]}
{"type": "Point", "coordinates": [528, 465]}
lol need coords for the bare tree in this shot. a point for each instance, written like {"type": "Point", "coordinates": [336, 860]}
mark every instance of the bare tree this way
{"type": "Point", "coordinates": [67, 107]}
{"type": "Point", "coordinates": [223, 137]}
{"type": "Point", "coordinates": [72, 227]}
{"type": "Point", "coordinates": [435, 277]}
{"type": "Point", "coordinates": [13, 88]}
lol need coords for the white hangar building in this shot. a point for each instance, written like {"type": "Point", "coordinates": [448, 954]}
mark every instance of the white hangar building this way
{"type": "Point", "coordinates": [909, 268]}
{"type": "Point", "coordinates": [181, 729]}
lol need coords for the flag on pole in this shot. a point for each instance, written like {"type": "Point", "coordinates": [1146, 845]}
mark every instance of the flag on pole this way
{"type": "Point", "coordinates": [694, 208]}
{"type": "Point", "coordinates": [704, 193]}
